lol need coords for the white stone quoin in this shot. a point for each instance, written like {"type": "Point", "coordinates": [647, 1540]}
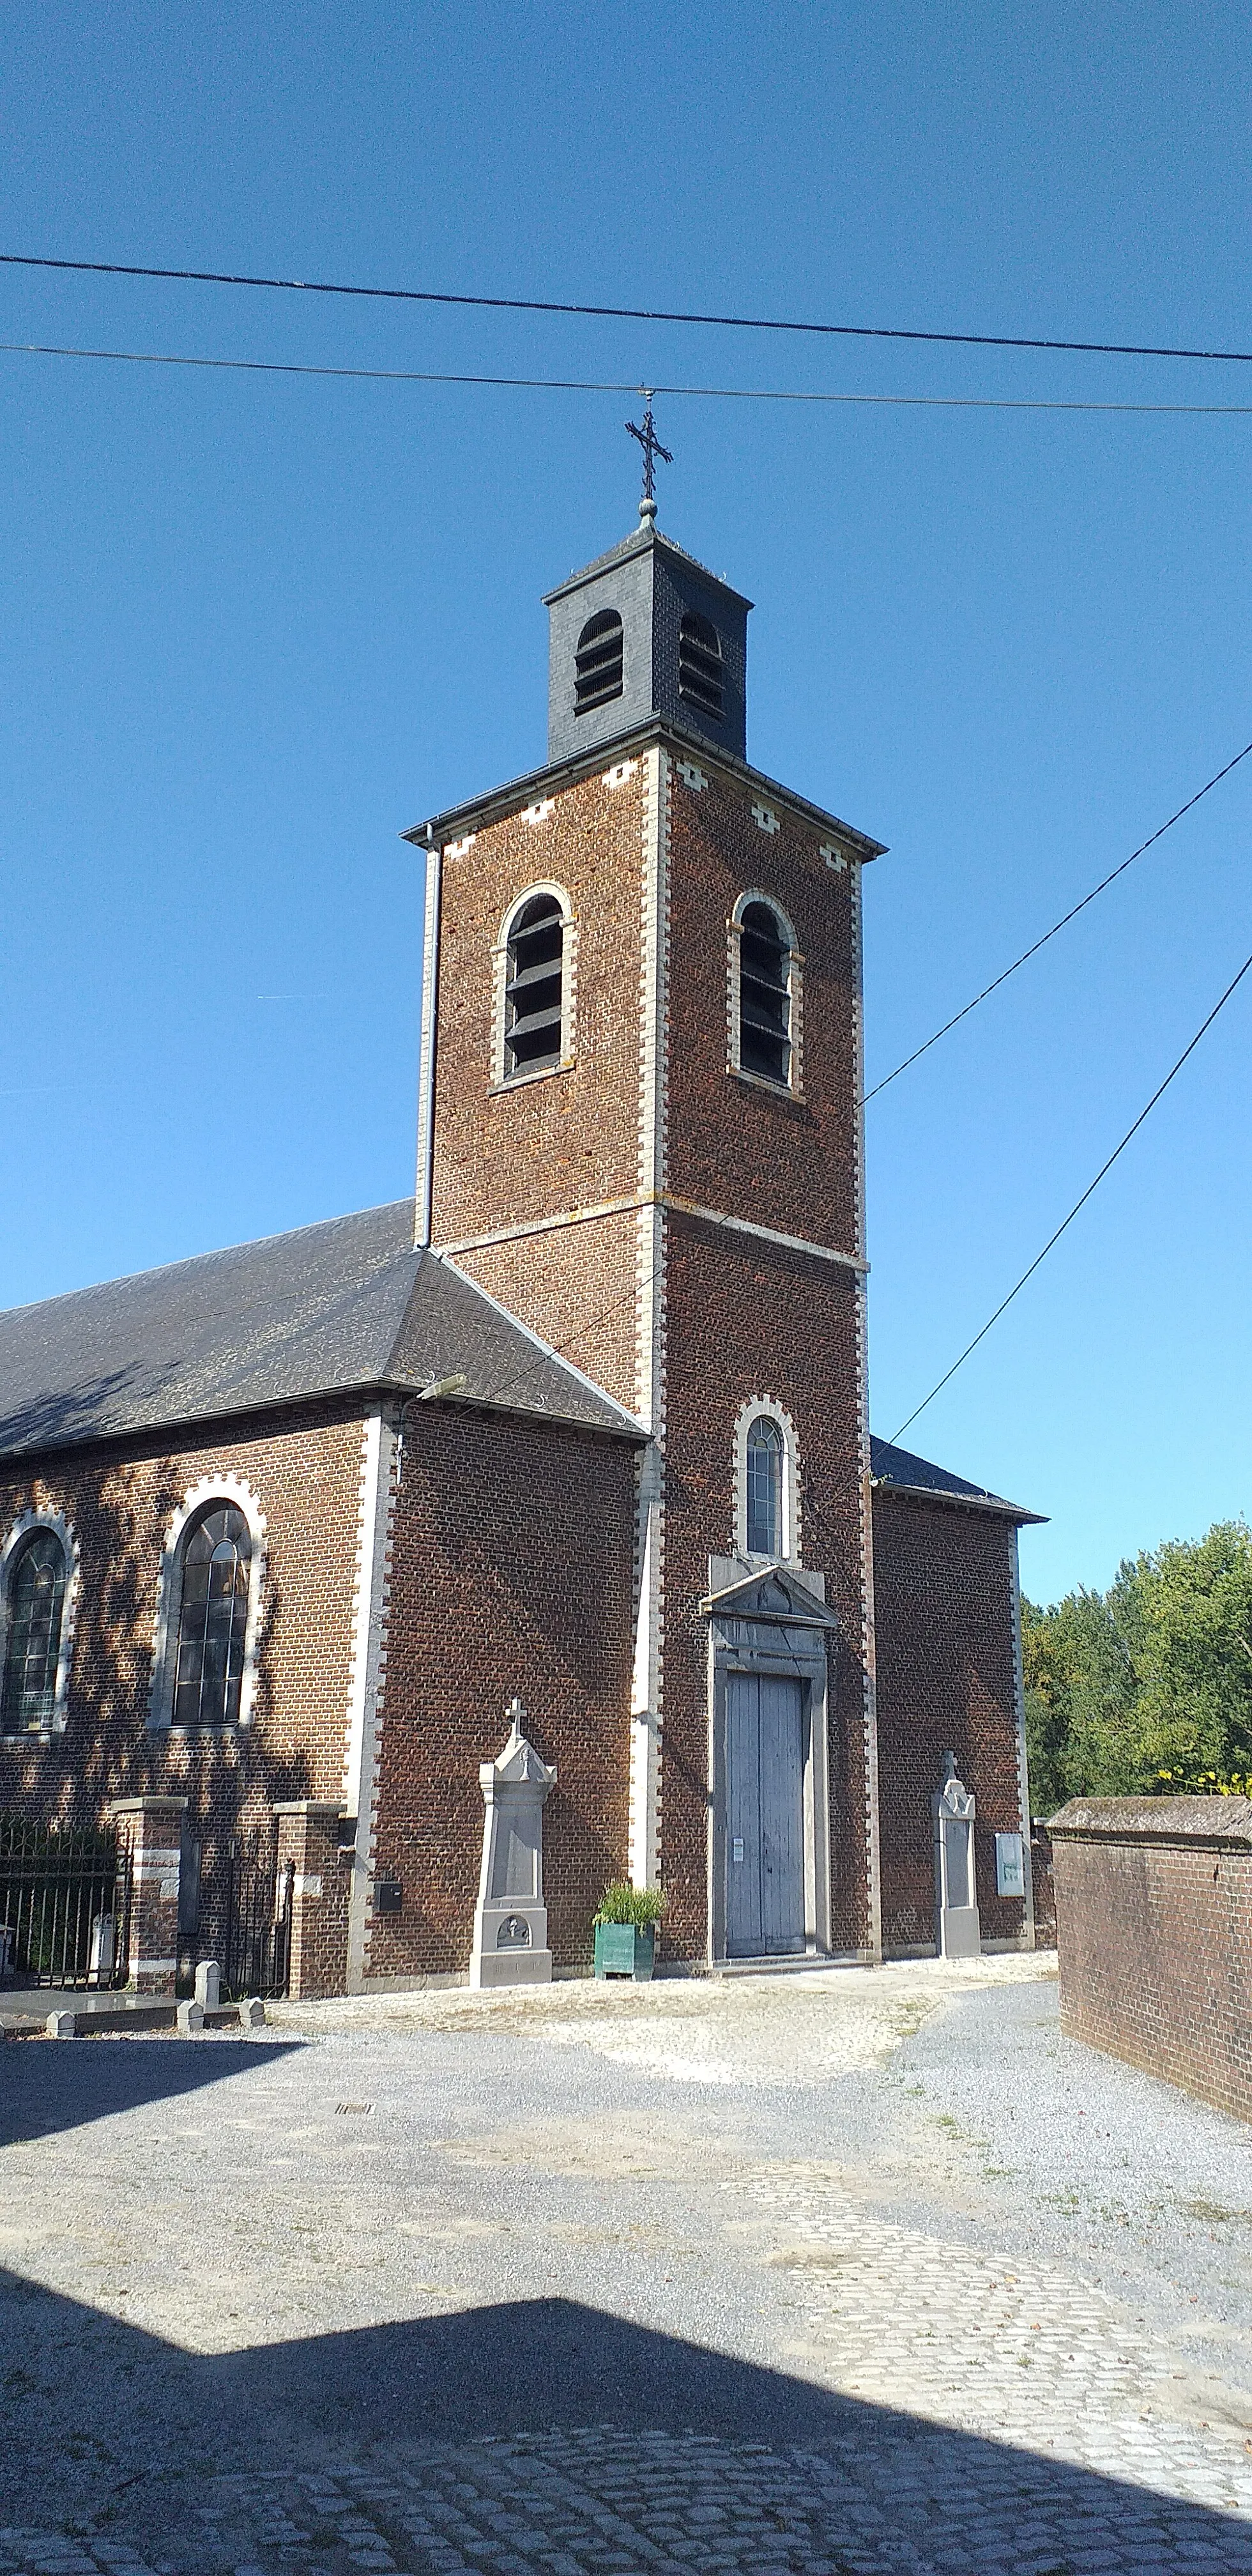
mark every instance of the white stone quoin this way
{"type": "Point", "coordinates": [956, 1895]}
{"type": "Point", "coordinates": [511, 1919]}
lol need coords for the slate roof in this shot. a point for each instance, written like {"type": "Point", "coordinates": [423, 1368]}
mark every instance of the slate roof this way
{"type": "Point", "coordinates": [325, 1310]}
{"type": "Point", "coordinates": [639, 541]}
{"type": "Point", "coordinates": [330, 1309]}
{"type": "Point", "coordinates": [899, 1468]}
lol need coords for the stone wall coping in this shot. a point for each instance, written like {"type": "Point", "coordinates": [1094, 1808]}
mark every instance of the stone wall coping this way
{"type": "Point", "coordinates": [310, 1807]}
{"type": "Point", "coordinates": [1212, 1822]}
{"type": "Point", "coordinates": [151, 1805]}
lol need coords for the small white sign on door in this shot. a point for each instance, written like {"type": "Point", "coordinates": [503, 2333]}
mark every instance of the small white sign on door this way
{"type": "Point", "coordinates": [1010, 1868]}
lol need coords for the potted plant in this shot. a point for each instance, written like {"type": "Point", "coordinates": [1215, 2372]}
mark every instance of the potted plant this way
{"type": "Point", "coordinates": [625, 1928]}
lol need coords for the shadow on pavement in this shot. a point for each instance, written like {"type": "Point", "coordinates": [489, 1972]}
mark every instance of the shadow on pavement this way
{"type": "Point", "coordinates": [118, 2432]}
{"type": "Point", "coordinates": [47, 2085]}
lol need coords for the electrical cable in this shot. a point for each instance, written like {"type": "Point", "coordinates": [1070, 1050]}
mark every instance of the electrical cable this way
{"type": "Point", "coordinates": [1092, 1186]}
{"type": "Point", "coordinates": [624, 312]}
{"type": "Point", "coordinates": [1066, 917]}
{"type": "Point", "coordinates": [591, 385]}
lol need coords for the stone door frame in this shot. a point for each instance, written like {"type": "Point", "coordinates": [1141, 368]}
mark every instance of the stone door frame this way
{"type": "Point", "coordinates": [770, 1620]}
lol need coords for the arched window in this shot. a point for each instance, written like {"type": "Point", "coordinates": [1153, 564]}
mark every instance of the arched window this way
{"type": "Point", "coordinates": [598, 662]}
{"type": "Point", "coordinates": [216, 1556]}
{"type": "Point", "coordinates": [534, 987]}
{"type": "Point", "coordinates": [32, 1644]}
{"type": "Point", "coordinates": [765, 1461]}
{"type": "Point", "coordinates": [700, 670]}
{"type": "Point", "coordinates": [765, 1032]}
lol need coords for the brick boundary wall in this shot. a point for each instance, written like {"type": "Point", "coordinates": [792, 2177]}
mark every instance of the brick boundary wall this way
{"type": "Point", "coordinates": [1154, 1937]}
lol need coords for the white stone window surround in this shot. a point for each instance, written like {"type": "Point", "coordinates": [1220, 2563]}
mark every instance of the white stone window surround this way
{"type": "Point", "coordinates": [21, 1530]}
{"type": "Point", "coordinates": [794, 1085]}
{"type": "Point", "coordinates": [752, 1411]}
{"type": "Point", "coordinates": [211, 1489]}
{"type": "Point", "coordinates": [500, 1080]}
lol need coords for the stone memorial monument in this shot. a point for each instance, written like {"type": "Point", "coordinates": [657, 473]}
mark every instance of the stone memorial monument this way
{"type": "Point", "coordinates": [956, 1896]}
{"type": "Point", "coordinates": [511, 1919]}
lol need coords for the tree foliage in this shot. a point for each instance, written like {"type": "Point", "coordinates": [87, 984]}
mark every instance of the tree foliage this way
{"type": "Point", "coordinates": [1147, 1686]}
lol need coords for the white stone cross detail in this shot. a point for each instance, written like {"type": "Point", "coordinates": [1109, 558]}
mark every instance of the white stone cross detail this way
{"type": "Point", "coordinates": [516, 1714]}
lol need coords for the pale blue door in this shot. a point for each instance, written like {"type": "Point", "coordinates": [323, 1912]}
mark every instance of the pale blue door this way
{"type": "Point", "coordinates": [764, 1815]}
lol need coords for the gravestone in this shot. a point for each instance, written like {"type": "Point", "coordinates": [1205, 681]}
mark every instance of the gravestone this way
{"type": "Point", "coordinates": [208, 1985]}
{"type": "Point", "coordinates": [511, 1919]}
{"type": "Point", "coordinates": [959, 1934]}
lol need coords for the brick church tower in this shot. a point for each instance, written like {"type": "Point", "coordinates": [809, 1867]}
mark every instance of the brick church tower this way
{"type": "Point", "coordinates": [641, 1134]}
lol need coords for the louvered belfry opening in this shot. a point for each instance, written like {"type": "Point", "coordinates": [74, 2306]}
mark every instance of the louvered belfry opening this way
{"type": "Point", "coordinates": [764, 995]}
{"type": "Point", "coordinates": [598, 662]}
{"type": "Point", "coordinates": [533, 989]}
{"type": "Point", "coordinates": [700, 673]}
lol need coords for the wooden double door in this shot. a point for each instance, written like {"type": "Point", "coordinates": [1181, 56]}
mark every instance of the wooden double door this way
{"type": "Point", "coordinates": [764, 1815]}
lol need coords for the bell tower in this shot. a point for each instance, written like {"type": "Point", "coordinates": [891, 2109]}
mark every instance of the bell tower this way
{"type": "Point", "coordinates": [646, 631]}
{"type": "Point", "coordinates": [641, 1133]}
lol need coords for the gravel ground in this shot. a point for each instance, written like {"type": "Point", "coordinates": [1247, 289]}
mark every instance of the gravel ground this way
{"type": "Point", "coordinates": [869, 2267]}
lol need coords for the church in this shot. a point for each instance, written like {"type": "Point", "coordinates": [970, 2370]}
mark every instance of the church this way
{"type": "Point", "coordinates": [578, 1432]}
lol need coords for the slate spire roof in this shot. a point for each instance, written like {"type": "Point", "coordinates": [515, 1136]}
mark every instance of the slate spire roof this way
{"type": "Point", "coordinates": [329, 1309]}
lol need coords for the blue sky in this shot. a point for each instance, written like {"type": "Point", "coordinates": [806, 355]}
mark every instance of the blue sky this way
{"type": "Point", "coordinates": [254, 626]}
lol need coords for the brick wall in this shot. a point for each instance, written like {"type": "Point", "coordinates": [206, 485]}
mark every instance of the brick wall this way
{"type": "Point", "coordinates": [510, 1572]}
{"type": "Point", "coordinates": [943, 1617]}
{"type": "Point", "coordinates": [1154, 1937]}
{"type": "Point", "coordinates": [737, 1317]}
{"type": "Point", "coordinates": [749, 1149]}
{"type": "Point", "coordinates": [304, 1468]}
{"type": "Point", "coordinates": [567, 1140]}
{"type": "Point", "coordinates": [748, 1318]}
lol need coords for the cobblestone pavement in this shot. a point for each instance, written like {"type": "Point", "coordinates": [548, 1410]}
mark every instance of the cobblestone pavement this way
{"type": "Point", "coordinates": [364, 2302]}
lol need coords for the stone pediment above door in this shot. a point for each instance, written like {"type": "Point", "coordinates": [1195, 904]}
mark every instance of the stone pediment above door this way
{"type": "Point", "coordinates": [740, 1590]}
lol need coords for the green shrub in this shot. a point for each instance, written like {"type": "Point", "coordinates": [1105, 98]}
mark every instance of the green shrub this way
{"type": "Point", "coordinates": [642, 1906]}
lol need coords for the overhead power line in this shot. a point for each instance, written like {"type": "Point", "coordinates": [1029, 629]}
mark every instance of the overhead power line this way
{"type": "Point", "coordinates": [1079, 1204]}
{"type": "Point", "coordinates": [600, 385]}
{"type": "Point", "coordinates": [1066, 917]}
{"type": "Point", "coordinates": [622, 312]}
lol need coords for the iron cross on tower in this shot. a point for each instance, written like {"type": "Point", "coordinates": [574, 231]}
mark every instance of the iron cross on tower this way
{"type": "Point", "coordinates": [652, 448]}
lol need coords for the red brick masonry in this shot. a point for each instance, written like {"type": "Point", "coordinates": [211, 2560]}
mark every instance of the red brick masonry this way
{"type": "Point", "coordinates": [1154, 1934]}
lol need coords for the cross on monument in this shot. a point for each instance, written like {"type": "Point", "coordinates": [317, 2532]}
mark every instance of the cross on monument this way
{"type": "Point", "coordinates": [652, 448]}
{"type": "Point", "coordinates": [516, 1715]}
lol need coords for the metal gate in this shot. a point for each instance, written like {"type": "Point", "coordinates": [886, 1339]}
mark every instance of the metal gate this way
{"type": "Point", "coordinates": [64, 1905]}
{"type": "Point", "coordinates": [255, 1921]}
{"type": "Point", "coordinates": [765, 1815]}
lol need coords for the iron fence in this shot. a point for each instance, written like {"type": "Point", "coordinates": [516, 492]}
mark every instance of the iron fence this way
{"type": "Point", "coordinates": [65, 1895]}
{"type": "Point", "coordinates": [256, 1928]}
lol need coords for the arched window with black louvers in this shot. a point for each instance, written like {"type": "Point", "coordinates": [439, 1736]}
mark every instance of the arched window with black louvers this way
{"type": "Point", "coordinates": [534, 988]}
{"type": "Point", "coordinates": [34, 1610]}
{"type": "Point", "coordinates": [215, 1570]}
{"type": "Point", "coordinates": [598, 662]}
{"type": "Point", "coordinates": [765, 994]}
{"type": "Point", "coordinates": [701, 673]}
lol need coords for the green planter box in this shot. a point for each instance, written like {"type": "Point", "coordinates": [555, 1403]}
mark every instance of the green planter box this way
{"type": "Point", "coordinates": [621, 1951]}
